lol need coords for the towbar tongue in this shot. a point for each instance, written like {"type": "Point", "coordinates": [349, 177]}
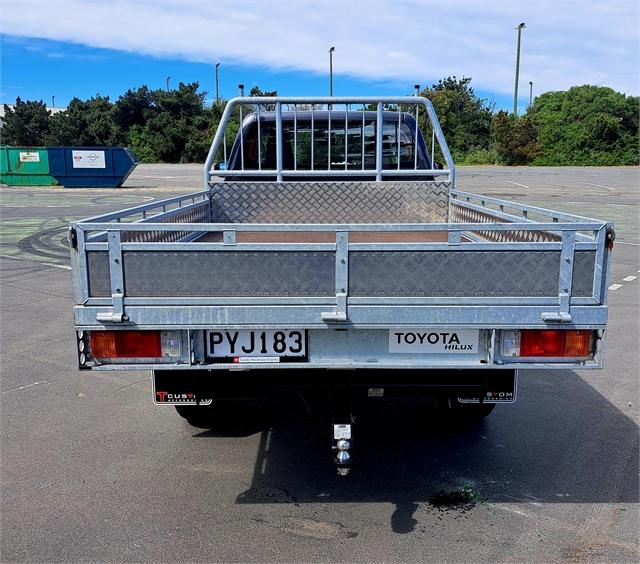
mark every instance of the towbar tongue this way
{"type": "Point", "coordinates": [341, 447]}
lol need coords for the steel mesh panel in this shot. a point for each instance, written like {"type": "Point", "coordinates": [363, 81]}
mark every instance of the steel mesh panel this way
{"type": "Point", "coordinates": [229, 273]}
{"type": "Point", "coordinates": [464, 273]}
{"type": "Point", "coordinates": [198, 214]}
{"type": "Point", "coordinates": [583, 273]}
{"type": "Point", "coordinates": [460, 214]}
{"type": "Point", "coordinates": [98, 269]}
{"type": "Point", "coordinates": [330, 202]}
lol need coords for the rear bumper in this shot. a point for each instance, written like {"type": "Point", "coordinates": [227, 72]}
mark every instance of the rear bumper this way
{"type": "Point", "coordinates": [340, 347]}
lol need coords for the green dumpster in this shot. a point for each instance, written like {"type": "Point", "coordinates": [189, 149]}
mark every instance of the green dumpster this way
{"type": "Point", "coordinates": [25, 166]}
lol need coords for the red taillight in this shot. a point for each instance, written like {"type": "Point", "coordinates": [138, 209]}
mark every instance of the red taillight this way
{"type": "Point", "coordinates": [555, 343]}
{"type": "Point", "coordinates": [125, 344]}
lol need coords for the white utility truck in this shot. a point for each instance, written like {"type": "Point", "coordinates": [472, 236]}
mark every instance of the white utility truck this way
{"type": "Point", "coordinates": [329, 256]}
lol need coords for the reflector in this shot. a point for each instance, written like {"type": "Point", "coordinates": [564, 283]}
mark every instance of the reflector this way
{"type": "Point", "coordinates": [125, 344]}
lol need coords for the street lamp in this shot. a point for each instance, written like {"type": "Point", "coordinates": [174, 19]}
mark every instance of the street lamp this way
{"type": "Point", "coordinates": [331, 70]}
{"type": "Point", "coordinates": [53, 101]}
{"type": "Point", "coordinates": [515, 92]}
{"type": "Point", "coordinates": [530, 93]}
{"type": "Point", "coordinates": [168, 79]}
{"type": "Point", "coordinates": [217, 91]}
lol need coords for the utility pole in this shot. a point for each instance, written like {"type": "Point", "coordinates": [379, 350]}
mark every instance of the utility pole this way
{"type": "Point", "coordinates": [331, 70]}
{"type": "Point", "coordinates": [530, 93]}
{"type": "Point", "coordinates": [515, 91]}
{"type": "Point", "coordinates": [168, 79]}
{"type": "Point", "coordinates": [217, 90]}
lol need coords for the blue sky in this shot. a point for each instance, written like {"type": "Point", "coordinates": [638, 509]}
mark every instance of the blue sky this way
{"type": "Point", "coordinates": [38, 69]}
{"type": "Point", "coordinates": [79, 47]}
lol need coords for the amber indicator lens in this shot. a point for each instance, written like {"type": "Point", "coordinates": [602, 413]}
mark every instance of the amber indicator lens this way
{"type": "Point", "coordinates": [577, 343]}
{"type": "Point", "coordinates": [125, 344]}
{"type": "Point", "coordinates": [555, 343]}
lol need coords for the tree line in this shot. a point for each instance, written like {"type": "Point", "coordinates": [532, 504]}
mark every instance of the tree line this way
{"type": "Point", "coordinates": [585, 125]}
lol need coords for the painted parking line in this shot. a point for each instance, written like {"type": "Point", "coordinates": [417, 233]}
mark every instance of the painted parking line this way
{"type": "Point", "coordinates": [37, 262]}
{"type": "Point", "coordinates": [599, 186]}
{"type": "Point", "coordinates": [517, 183]}
{"type": "Point", "coordinates": [19, 389]}
{"type": "Point", "coordinates": [615, 286]}
{"type": "Point", "coordinates": [629, 278]}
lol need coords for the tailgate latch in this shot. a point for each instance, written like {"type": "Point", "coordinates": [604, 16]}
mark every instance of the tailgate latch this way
{"type": "Point", "coordinates": [552, 317]}
{"type": "Point", "coordinates": [116, 315]}
{"type": "Point", "coordinates": [340, 314]}
{"type": "Point", "coordinates": [111, 317]}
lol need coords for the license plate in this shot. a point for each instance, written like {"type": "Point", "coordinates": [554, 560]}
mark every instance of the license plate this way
{"type": "Point", "coordinates": [268, 344]}
{"type": "Point", "coordinates": [441, 341]}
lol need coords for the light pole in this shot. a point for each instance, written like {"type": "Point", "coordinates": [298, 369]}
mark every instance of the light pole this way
{"type": "Point", "coordinates": [168, 79]}
{"type": "Point", "coordinates": [53, 101]}
{"type": "Point", "coordinates": [530, 93]}
{"type": "Point", "coordinates": [515, 91]}
{"type": "Point", "coordinates": [331, 70]}
{"type": "Point", "coordinates": [217, 90]}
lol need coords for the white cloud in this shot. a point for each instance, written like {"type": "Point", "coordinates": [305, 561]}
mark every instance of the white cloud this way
{"type": "Point", "coordinates": [566, 42]}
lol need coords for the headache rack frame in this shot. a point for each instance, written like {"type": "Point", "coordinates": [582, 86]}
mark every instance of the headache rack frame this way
{"type": "Point", "coordinates": [402, 106]}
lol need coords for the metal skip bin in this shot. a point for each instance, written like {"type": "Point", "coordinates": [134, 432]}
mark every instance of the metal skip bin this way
{"type": "Point", "coordinates": [91, 167]}
{"type": "Point", "coordinates": [25, 166]}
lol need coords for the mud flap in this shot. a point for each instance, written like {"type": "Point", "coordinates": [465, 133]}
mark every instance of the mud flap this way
{"type": "Point", "coordinates": [176, 388]}
{"type": "Point", "coordinates": [500, 388]}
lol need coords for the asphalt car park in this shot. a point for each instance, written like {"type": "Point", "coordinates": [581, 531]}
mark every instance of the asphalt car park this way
{"type": "Point", "coordinates": [93, 470]}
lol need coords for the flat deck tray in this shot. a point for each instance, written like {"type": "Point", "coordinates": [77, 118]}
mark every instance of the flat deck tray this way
{"type": "Point", "coordinates": [330, 237]}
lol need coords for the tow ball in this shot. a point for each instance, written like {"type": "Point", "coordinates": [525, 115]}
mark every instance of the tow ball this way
{"type": "Point", "coordinates": [341, 447]}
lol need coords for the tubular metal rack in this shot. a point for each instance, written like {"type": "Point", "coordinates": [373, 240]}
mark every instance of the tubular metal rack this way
{"type": "Point", "coordinates": [348, 118]}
